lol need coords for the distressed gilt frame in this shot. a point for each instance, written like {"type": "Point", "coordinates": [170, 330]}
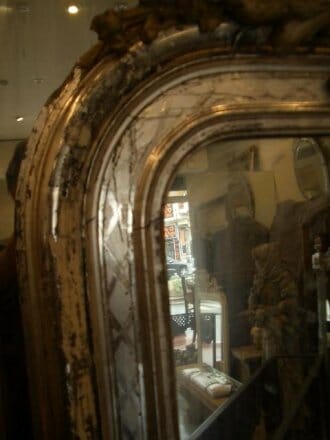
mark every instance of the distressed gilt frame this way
{"type": "Point", "coordinates": [72, 286]}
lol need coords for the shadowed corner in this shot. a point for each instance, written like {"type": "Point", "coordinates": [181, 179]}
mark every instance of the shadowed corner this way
{"type": "Point", "coordinates": [327, 87]}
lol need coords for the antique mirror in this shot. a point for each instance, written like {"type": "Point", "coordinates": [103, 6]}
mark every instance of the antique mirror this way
{"type": "Point", "coordinates": [151, 212]}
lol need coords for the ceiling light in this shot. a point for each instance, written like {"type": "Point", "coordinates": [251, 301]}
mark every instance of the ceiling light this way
{"type": "Point", "coordinates": [38, 80]}
{"type": "Point", "coordinates": [19, 119]}
{"type": "Point", "coordinates": [73, 9]}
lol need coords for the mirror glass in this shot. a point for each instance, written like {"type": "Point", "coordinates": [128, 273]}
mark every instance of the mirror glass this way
{"type": "Point", "coordinates": [235, 264]}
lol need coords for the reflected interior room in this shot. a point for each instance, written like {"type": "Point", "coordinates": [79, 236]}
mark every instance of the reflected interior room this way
{"type": "Point", "coordinates": [247, 296]}
{"type": "Point", "coordinates": [165, 227]}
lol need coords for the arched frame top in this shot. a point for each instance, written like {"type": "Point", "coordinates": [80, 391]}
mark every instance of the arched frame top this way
{"type": "Point", "coordinates": [90, 217]}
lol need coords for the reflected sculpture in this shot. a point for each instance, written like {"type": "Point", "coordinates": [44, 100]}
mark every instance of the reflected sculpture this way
{"type": "Point", "coordinates": [273, 304]}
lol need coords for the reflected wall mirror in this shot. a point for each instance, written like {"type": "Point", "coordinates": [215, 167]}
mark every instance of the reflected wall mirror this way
{"type": "Point", "coordinates": [239, 200]}
{"type": "Point", "coordinates": [152, 211]}
{"type": "Point", "coordinates": [311, 168]}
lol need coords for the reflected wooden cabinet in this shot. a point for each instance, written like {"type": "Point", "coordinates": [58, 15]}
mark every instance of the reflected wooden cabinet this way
{"type": "Point", "coordinates": [180, 115]}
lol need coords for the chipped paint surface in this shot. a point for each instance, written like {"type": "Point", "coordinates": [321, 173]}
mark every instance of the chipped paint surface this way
{"type": "Point", "coordinates": [90, 219]}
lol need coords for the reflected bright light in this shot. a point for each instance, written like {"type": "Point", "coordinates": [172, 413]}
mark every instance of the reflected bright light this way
{"type": "Point", "coordinates": [73, 9]}
{"type": "Point", "coordinates": [4, 9]}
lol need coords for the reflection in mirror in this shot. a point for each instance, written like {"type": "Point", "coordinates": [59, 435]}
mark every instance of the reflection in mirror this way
{"type": "Point", "coordinates": [311, 168]}
{"type": "Point", "coordinates": [234, 257]}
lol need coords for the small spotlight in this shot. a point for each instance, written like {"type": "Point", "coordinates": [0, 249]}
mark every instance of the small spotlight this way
{"type": "Point", "coordinates": [73, 9]}
{"type": "Point", "coordinates": [19, 119]}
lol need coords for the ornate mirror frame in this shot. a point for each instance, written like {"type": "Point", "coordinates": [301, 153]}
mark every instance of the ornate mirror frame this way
{"type": "Point", "coordinates": [89, 216]}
